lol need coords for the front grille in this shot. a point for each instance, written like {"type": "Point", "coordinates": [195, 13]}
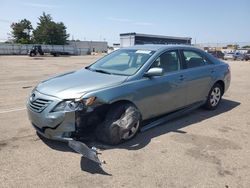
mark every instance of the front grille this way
{"type": "Point", "coordinates": [39, 105]}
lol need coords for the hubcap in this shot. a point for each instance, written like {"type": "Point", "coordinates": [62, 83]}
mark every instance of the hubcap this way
{"type": "Point", "coordinates": [132, 131]}
{"type": "Point", "coordinates": [215, 96]}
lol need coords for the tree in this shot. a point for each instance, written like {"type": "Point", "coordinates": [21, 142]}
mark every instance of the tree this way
{"type": "Point", "coordinates": [21, 31]}
{"type": "Point", "coordinates": [233, 46]}
{"type": "Point", "coordinates": [50, 32]}
{"type": "Point", "coordinates": [247, 46]}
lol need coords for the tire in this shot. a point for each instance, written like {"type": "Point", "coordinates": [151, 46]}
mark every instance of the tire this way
{"type": "Point", "coordinates": [121, 123]}
{"type": "Point", "coordinates": [214, 97]}
{"type": "Point", "coordinates": [32, 54]}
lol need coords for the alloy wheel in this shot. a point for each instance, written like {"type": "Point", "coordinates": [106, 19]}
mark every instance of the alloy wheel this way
{"type": "Point", "coordinates": [215, 96]}
{"type": "Point", "coordinates": [132, 131]}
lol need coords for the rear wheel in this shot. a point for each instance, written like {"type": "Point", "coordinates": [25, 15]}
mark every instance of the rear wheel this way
{"type": "Point", "coordinates": [32, 54]}
{"type": "Point", "coordinates": [214, 97]}
{"type": "Point", "coordinates": [122, 123]}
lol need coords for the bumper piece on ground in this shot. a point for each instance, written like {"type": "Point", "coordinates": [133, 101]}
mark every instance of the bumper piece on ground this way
{"type": "Point", "coordinates": [89, 153]}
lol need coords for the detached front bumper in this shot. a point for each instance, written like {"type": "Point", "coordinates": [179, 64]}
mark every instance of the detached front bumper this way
{"type": "Point", "coordinates": [52, 125]}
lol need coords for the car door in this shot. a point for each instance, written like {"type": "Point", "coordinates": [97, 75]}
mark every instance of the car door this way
{"type": "Point", "coordinates": [199, 76]}
{"type": "Point", "coordinates": [166, 93]}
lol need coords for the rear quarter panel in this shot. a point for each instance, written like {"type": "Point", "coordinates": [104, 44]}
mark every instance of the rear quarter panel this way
{"type": "Point", "coordinates": [222, 72]}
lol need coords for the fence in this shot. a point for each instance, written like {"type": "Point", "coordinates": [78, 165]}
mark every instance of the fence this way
{"type": "Point", "coordinates": [23, 49]}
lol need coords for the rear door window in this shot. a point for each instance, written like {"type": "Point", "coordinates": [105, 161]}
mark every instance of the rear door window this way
{"type": "Point", "coordinates": [194, 59]}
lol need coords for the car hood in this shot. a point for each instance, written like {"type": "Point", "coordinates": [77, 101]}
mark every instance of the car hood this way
{"type": "Point", "coordinates": [75, 84]}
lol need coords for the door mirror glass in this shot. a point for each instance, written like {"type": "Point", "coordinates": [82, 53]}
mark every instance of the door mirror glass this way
{"type": "Point", "coordinates": [156, 71]}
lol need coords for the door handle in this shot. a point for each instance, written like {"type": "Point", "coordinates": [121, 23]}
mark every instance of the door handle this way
{"type": "Point", "coordinates": [212, 71]}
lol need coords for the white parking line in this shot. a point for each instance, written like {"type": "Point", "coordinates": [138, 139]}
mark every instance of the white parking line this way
{"type": "Point", "coordinates": [12, 110]}
{"type": "Point", "coordinates": [19, 82]}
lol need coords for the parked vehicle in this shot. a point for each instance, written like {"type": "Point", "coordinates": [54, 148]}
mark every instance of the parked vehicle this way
{"type": "Point", "coordinates": [218, 54]}
{"type": "Point", "coordinates": [247, 55]}
{"type": "Point", "coordinates": [37, 49]}
{"type": "Point", "coordinates": [229, 55]}
{"type": "Point", "coordinates": [114, 96]}
{"type": "Point", "coordinates": [234, 56]}
{"type": "Point", "coordinates": [239, 56]}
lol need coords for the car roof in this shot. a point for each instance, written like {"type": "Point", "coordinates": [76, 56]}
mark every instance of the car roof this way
{"type": "Point", "coordinates": [156, 47]}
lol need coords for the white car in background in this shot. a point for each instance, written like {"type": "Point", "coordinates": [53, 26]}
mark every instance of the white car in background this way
{"type": "Point", "coordinates": [234, 56]}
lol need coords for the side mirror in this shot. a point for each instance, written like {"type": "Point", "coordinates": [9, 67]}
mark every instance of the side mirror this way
{"type": "Point", "coordinates": [154, 72]}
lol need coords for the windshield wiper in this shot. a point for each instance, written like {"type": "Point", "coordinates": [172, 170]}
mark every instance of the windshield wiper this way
{"type": "Point", "coordinates": [101, 71]}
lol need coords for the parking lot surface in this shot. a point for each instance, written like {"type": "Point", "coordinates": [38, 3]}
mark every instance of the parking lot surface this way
{"type": "Point", "coordinates": [202, 149]}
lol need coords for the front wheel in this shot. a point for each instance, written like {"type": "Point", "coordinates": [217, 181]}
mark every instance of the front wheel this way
{"type": "Point", "coordinates": [122, 122]}
{"type": "Point", "coordinates": [214, 97]}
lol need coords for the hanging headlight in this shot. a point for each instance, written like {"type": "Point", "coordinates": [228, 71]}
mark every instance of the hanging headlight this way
{"type": "Point", "coordinates": [74, 105]}
{"type": "Point", "coordinates": [69, 106]}
{"type": "Point", "coordinates": [60, 107]}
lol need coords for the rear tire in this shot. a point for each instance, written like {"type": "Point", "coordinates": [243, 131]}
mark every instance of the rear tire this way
{"type": "Point", "coordinates": [122, 123]}
{"type": "Point", "coordinates": [32, 54]}
{"type": "Point", "coordinates": [214, 97]}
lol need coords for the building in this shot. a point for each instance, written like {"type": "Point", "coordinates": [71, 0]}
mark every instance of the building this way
{"type": "Point", "coordinates": [87, 47]}
{"type": "Point", "coordinates": [131, 39]}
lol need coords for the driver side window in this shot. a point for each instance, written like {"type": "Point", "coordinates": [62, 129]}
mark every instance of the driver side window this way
{"type": "Point", "coordinates": [168, 61]}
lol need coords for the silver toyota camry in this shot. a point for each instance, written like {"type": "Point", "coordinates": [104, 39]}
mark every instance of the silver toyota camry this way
{"type": "Point", "coordinates": [116, 96]}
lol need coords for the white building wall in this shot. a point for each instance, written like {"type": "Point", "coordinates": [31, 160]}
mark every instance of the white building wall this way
{"type": "Point", "coordinates": [126, 41]}
{"type": "Point", "coordinates": [90, 46]}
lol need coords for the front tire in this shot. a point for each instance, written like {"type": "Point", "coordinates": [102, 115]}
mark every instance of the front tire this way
{"type": "Point", "coordinates": [122, 123]}
{"type": "Point", "coordinates": [214, 97]}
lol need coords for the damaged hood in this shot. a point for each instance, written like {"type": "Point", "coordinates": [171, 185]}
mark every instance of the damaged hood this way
{"type": "Point", "coordinates": [75, 84]}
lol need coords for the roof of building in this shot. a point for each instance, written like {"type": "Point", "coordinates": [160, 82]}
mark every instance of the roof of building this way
{"type": "Point", "coordinates": [154, 36]}
{"type": "Point", "coordinates": [156, 47]}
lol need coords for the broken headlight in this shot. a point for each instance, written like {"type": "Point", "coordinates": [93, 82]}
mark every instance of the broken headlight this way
{"type": "Point", "coordinates": [74, 105]}
{"type": "Point", "coordinates": [69, 106]}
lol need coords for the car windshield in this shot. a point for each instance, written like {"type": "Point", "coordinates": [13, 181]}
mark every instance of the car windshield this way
{"type": "Point", "coordinates": [122, 62]}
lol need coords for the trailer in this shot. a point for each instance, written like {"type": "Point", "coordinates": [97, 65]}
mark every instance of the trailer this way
{"type": "Point", "coordinates": [37, 49]}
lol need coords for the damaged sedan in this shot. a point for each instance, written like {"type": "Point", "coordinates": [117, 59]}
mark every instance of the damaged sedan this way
{"type": "Point", "coordinates": [117, 95]}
